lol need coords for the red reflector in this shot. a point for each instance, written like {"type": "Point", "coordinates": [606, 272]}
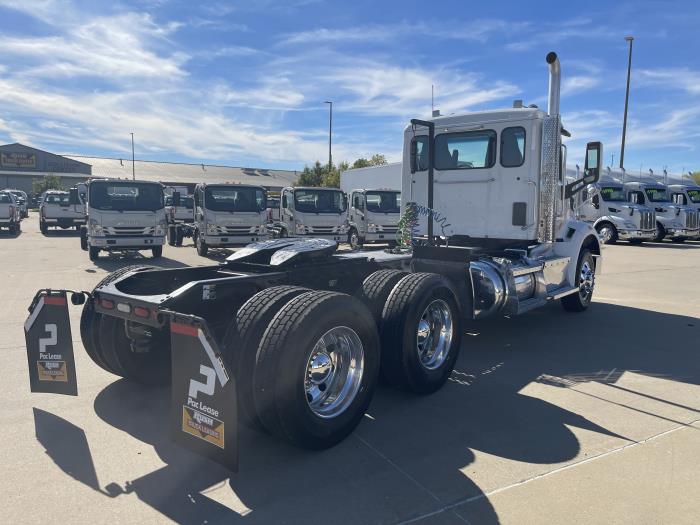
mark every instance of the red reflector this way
{"type": "Point", "coordinates": [184, 329]}
{"type": "Point", "coordinates": [106, 304]}
{"type": "Point", "coordinates": [54, 300]}
{"type": "Point", "coordinates": [140, 311]}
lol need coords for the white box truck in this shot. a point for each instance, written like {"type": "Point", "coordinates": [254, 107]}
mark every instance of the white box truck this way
{"type": "Point", "coordinates": [387, 176]}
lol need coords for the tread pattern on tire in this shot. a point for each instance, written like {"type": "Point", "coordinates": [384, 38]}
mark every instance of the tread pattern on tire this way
{"type": "Point", "coordinates": [377, 287]}
{"type": "Point", "coordinates": [246, 332]}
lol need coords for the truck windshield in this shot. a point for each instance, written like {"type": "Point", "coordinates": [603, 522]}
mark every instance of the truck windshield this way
{"type": "Point", "coordinates": [232, 198]}
{"type": "Point", "coordinates": [57, 198]}
{"type": "Point", "coordinates": [319, 201]}
{"type": "Point", "coordinates": [126, 196]}
{"type": "Point", "coordinates": [694, 195]}
{"type": "Point", "coordinates": [613, 194]}
{"type": "Point", "coordinates": [383, 201]}
{"type": "Point", "coordinates": [657, 194]}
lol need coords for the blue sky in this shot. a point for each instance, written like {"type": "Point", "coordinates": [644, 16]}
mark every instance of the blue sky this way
{"type": "Point", "coordinates": [243, 83]}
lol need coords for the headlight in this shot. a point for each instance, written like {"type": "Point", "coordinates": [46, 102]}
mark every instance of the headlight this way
{"type": "Point", "coordinates": [212, 229]}
{"type": "Point", "coordinates": [96, 229]}
{"type": "Point", "coordinates": [299, 228]}
{"type": "Point", "coordinates": [372, 228]}
{"type": "Point", "coordinates": [161, 227]}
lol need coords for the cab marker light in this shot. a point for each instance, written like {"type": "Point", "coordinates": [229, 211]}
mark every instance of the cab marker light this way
{"type": "Point", "coordinates": [124, 308]}
{"type": "Point", "coordinates": [106, 304]}
{"type": "Point", "coordinates": [140, 311]}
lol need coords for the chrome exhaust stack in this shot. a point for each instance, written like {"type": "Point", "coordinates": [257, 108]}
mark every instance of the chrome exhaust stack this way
{"type": "Point", "coordinates": [554, 83]}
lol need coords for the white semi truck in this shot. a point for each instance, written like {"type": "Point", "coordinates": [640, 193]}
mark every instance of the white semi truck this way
{"type": "Point", "coordinates": [685, 191]}
{"type": "Point", "coordinates": [677, 222]}
{"type": "Point", "coordinates": [227, 215]}
{"type": "Point", "coordinates": [605, 205]}
{"type": "Point", "coordinates": [313, 212]}
{"type": "Point", "coordinates": [373, 216]}
{"type": "Point", "coordinates": [123, 215]}
{"type": "Point", "coordinates": [57, 211]}
{"type": "Point", "coordinates": [291, 334]}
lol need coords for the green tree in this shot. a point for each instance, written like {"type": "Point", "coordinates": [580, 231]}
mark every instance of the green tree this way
{"type": "Point", "coordinates": [376, 160]}
{"type": "Point", "coordinates": [49, 182]}
{"type": "Point", "coordinates": [320, 175]}
{"type": "Point", "coordinates": [696, 176]}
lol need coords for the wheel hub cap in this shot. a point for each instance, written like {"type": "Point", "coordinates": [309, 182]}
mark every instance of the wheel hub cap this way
{"type": "Point", "coordinates": [434, 334]}
{"type": "Point", "coordinates": [334, 372]}
{"type": "Point", "coordinates": [586, 280]}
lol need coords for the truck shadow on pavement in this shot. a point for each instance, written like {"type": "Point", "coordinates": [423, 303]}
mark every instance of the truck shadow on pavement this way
{"type": "Point", "coordinates": [413, 458]}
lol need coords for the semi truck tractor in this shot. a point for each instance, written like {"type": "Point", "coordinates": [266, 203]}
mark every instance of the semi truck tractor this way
{"type": "Point", "coordinates": [57, 211]}
{"type": "Point", "coordinates": [685, 192]}
{"type": "Point", "coordinates": [289, 334]}
{"type": "Point", "coordinates": [313, 212]}
{"type": "Point", "coordinates": [227, 215]}
{"type": "Point", "coordinates": [373, 216]}
{"type": "Point", "coordinates": [605, 205]}
{"type": "Point", "coordinates": [123, 215]}
{"type": "Point", "coordinates": [677, 222]}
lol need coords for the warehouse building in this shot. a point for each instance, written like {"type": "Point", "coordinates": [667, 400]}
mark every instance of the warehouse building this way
{"type": "Point", "coordinates": [20, 165]}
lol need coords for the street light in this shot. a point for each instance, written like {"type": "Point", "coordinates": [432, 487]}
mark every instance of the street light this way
{"type": "Point", "coordinates": [133, 162]}
{"type": "Point", "coordinates": [330, 134]}
{"type": "Point", "coordinates": [629, 39]}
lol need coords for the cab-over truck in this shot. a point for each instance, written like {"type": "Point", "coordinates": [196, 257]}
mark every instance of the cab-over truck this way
{"type": "Point", "coordinates": [301, 331]}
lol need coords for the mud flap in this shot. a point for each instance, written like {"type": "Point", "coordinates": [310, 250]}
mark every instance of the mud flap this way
{"type": "Point", "coordinates": [203, 416]}
{"type": "Point", "coordinates": [50, 345]}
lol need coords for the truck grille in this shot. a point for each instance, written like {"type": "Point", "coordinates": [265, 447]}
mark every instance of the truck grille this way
{"type": "Point", "coordinates": [691, 220]}
{"type": "Point", "coordinates": [236, 230]}
{"type": "Point", "coordinates": [322, 229]}
{"type": "Point", "coordinates": [648, 221]}
{"type": "Point", "coordinates": [129, 230]}
{"type": "Point", "coordinates": [390, 229]}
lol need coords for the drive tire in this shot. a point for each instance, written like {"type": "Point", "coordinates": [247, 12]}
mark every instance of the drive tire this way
{"type": "Point", "coordinates": [151, 367]}
{"type": "Point", "coordinates": [580, 301]}
{"type": "Point", "coordinates": [243, 338]}
{"type": "Point", "coordinates": [157, 252]}
{"type": "Point", "coordinates": [179, 236]}
{"type": "Point", "coordinates": [94, 252]}
{"type": "Point", "coordinates": [283, 361]}
{"type": "Point", "coordinates": [376, 289]}
{"type": "Point", "coordinates": [404, 317]}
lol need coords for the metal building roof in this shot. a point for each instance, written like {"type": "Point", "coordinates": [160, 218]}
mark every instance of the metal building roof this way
{"type": "Point", "coordinates": [181, 173]}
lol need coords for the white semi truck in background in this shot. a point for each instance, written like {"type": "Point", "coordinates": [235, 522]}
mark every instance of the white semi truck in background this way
{"type": "Point", "coordinates": [123, 215]}
{"type": "Point", "coordinates": [226, 215]}
{"type": "Point", "coordinates": [605, 205]}
{"type": "Point", "coordinates": [685, 191]}
{"type": "Point", "coordinates": [677, 222]}
{"type": "Point", "coordinates": [313, 212]}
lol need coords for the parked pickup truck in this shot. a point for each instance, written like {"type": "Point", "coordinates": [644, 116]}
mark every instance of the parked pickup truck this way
{"type": "Point", "coordinates": [57, 211]}
{"type": "Point", "coordinates": [9, 212]}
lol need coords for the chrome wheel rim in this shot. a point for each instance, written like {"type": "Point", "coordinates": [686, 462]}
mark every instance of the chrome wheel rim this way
{"type": "Point", "coordinates": [586, 280]}
{"type": "Point", "coordinates": [353, 240]}
{"type": "Point", "coordinates": [606, 233]}
{"type": "Point", "coordinates": [334, 372]}
{"type": "Point", "coordinates": [434, 334]}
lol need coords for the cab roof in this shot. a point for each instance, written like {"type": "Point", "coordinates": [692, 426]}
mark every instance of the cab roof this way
{"type": "Point", "coordinates": [487, 116]}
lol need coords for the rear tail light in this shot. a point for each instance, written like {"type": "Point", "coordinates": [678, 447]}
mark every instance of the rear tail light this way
{"type": "Point", "coordinates": [107, 304]}
{"type": "Point", "coordinates": [140, 311]}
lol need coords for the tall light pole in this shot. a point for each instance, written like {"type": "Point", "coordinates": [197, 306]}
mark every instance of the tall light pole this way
{"type": "Point", "coordinates": [133, 161]}
{"type": "Point", "coordinates": [629, 39]}
{"type": "Point", "coordinates": [330, 135]}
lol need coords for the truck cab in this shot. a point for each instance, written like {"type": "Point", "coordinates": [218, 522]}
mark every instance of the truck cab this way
{"type": "Point", "coordinates": [314, 212]}
{"type": "Point", "coordinates": [605, 205]}
{"type": "Point", "coordinates": [57, 210]}
{"type": "Point", "coordinates": [677, 222]}
{"type": "Point", "coordinates": [228, 215]}
{"type": "Point", "coordinates": [9, 212]}
{"type": "Point", "coordinates": [373, 216]}
{"type": "Point", "coordinates": [686, 193]}
{"type": "Point", "coordinates": [123, 215]}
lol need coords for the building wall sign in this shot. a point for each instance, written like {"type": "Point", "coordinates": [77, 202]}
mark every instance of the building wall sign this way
{"type": "Point", "coordinates": [17, 160]}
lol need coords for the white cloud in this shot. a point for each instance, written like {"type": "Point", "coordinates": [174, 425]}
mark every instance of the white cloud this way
{"type": "Point", "coordinates": [684, 78]}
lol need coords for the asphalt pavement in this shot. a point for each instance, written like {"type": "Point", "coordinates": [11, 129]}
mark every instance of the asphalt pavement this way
{"type": "Point", "coordinates": [550, 417]}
